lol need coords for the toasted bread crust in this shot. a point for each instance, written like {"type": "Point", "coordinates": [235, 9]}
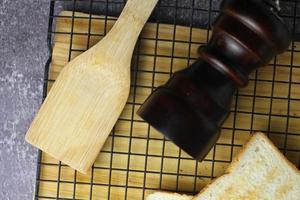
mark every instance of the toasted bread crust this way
{"type": "Point", "coordinates": [169, 196]}
{"type": "Point", "coordinates": [236, 160]}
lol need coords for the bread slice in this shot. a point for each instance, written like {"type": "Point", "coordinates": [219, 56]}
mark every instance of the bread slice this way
{"type": "Point", "coordinates": [168, 196]}
{"type": "Point", "coordinates": [259, 172]}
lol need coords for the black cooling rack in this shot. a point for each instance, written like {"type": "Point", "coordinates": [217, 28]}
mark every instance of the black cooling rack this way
{"type": "Point", "coordinates": [190, 13]}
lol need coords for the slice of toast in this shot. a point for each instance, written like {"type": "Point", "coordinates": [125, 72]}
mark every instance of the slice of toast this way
{"type": "Point", "coordinates": [168, 196]}
{"type": "Point", "coordinates": [259, 172]}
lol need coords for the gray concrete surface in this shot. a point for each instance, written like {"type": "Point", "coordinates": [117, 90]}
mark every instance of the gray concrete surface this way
{"type": "Point", "coordinates": [23, 53]}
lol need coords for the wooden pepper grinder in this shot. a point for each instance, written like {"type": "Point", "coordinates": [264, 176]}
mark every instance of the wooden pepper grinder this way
{"type": "Point", "coordinates": [191, 107]}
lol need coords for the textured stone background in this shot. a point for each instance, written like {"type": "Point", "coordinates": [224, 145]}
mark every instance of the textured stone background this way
{"type": "Point", "coordinates": [23, 53]}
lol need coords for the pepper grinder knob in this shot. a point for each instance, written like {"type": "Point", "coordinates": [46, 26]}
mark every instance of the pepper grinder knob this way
{"type": "Point", "coordinates": [246, 36]}
{"type": "Point", "coordinates": [192, 106]}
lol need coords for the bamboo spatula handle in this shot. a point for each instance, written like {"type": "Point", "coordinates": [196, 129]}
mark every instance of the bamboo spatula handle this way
{"type": "Point", "coordinates": [122, 38]}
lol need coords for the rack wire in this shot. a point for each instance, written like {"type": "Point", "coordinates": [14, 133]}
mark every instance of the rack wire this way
{"type": "Point", "coordinates": [138, 161]}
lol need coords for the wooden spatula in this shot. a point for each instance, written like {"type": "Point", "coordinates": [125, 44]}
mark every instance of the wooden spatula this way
{"type": "Point", "coordinates": [90, 93]}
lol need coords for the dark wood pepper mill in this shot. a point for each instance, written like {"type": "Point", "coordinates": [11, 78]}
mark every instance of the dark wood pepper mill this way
{"type": "Point", "coordinates": [191, 107]}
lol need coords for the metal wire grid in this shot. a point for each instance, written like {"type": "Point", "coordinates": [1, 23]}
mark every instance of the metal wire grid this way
{"type": "Point", "coordinates": [236, 112]}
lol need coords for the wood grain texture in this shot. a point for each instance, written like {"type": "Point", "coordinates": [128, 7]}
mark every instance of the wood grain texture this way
{"type": "Point", "coordinates": [153, 163]}
{"type": "Point", "coordinates": [89, 94]}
